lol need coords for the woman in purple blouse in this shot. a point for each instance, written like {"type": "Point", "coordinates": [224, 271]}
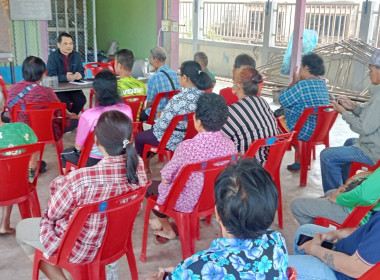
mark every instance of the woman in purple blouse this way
{"type": "Point", "coordinates": [210, 116]}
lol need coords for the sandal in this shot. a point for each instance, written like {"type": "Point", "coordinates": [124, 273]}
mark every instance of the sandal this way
{"type": "Point", "coordinates": [294, 167]}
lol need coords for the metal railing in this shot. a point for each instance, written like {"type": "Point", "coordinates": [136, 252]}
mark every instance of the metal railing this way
{"type": "Point", "coordinates": [234, 22]}
{"type": "Point", "coordinates": [376, 31]}
{"type": "Point", "coordinates": [332, 22]}
{"type": "Point", "coordinates": [186, 9]}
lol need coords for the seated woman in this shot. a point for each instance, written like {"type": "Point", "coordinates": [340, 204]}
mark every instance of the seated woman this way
{"type": "Point", "coordinates": [250, 118]}
{"type": "Point", "coordinates": [11, 135]}
{"type": "Point", "coordinates": [246, 201]}
{"type": "Point", "coordinates": [360, 190]}
{"type": "Point", "coordinates": [210, 115]}
{"type": "Point", "coordinates": [306, 90]}
{"type": "Point", "coordinates": [105, 86]}
{"type": "Point", "coordinates": [193, 81]}
{"type": "Point", "coordinates": [119, 172]}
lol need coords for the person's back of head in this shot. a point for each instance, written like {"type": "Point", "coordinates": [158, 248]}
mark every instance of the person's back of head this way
{"type": "Point", "coordinates": [33, 69]}
{"type": "Point", "coordinates": [113, 132]}
{"type": "Point", "coordinates": [212, 111]}
{"type": "Point", "coordinates": [193, 71]}
{"type": "Point", "coordinates": [244, 60]}
{"type": "Point", "coordinates": [246, 199]}
{"type": "Point", "coordinates": [250, 79]}
{"type": "Point", "coordinates": [158, 53]}
{"type": "Point", "coordinates": [202, 59]}
{"type": "Point", "coordinates": [315, 64]}
{"type": "Point", "coordinates": [105, 86]}
{"type": "Point", "coordinates": [125, 58]}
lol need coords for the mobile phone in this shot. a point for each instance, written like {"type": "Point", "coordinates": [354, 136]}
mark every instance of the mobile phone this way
{"type": "Point", "coordinates": [304, 238]}
{"type": "Point", "coordinates": [332, 97]}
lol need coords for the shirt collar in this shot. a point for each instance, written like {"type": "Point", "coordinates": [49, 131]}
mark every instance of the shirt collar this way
{"type": "Point", "coordinates": [163, 67]}
{"type": "Point", "coordinates": [112, 159]}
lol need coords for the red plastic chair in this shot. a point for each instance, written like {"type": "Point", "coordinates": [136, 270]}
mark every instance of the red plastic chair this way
{"type": "Point", "coordinates": [353, 220]}
{"type": "Point", "coordinates": [231, 98]}
{"type": "Point", "coordinates": [291, 273]}
{"type": "Point", "coordinates": [356, 166]}
{"type": "Point", "coordinates": [5, 92]}
{"type": "Point", "coordinates": [156, 102]}
{"type": "Point", "coordinates": [326, 117]}
{"type": "Point", "coordinates": [111, 66]}
{"type": "Point", "coordinates": [161, 148]}
{"type": "Point", "coordinates": [371, 274]}
{"type": "Point", "coordinates": [84, 154]}
{"type": "Point", "coordinates": [117, 240]}
{"type": "Point", "coordinates": [277, 147]}
{"type": "Point", "coordinates": [41, 117]}
{"type": "Point", "coordinates": [14, 180]}
{"type": "Point", "coordinates": [136, 102]}
{"type": "Point", "coordinates": [94, 68]}
{"type": "Point", "coordinates": [210, 89]}
{"type": "Point", "coordinates": [187, 222]}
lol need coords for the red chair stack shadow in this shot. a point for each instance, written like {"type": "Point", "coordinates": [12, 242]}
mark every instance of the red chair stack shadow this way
{"type": "Point", "coordinates": [121, 213]}
{"type": "Point", "coordinates": [14, 182]}
{"type": "Point", "coordinates": [94, 68]}
{"type": "Point", "coordinates": [326, 117]}
{"type": "Point", "coordinates": [187, 223]}
{"type": "Point", "coordinates": [161, 148]}
{"type": "Point", "coordinates": [136, 102]}
{"type": "Point", "coordinates": [277, 147]}
{"type": "Point", "coordinates": [41, 117]}
{"type": "Point", "coordinates": [84, 154]}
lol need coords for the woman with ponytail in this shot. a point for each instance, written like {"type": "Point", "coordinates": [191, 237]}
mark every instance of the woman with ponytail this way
{"type": "Point", "coordinates": [193, 81]}
{"type": "Point", "coordinates": [119, 172]}
{"type": "Point", "coordinates": [251, 117]}
{"type": "Point", "coordinates": [105, 86]}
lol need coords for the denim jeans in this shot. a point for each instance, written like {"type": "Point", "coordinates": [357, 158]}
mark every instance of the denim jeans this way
{"type": "Point", "coordinates": [336, 163]}
{"type": "Point", "coordinates": [310, 267]}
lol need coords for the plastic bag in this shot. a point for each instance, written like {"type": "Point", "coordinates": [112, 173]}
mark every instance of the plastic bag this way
{"type": "Point", "coordinates": [310, 40]}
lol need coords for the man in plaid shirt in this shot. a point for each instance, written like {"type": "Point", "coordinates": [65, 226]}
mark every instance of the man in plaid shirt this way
{"type": "Point", "coordinates": [164, 80]}
{"type": "Point", "coordinates": [307, 90]}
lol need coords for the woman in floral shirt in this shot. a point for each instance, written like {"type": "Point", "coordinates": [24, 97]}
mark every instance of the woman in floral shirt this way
{"type": "Point", "coordinates": [246, 201]}
{"type": "Point", "coordinates": [193, 81]}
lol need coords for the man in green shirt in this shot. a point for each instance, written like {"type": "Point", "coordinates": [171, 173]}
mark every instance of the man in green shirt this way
{"type": "Point", "coordinates": [127, 85]}
{"type": "Point", "coordinates": [12, 134]}
{"type": "Point", "coordinates": [202, 59]}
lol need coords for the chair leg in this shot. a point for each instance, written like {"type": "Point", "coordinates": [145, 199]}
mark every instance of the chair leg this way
{"type": "Point", "coordinates": [184, 230]}
{"type": "Point", "coordinates": [36, 208]}
{"type": "Point", "coordinates": [279, 209]}
{"type": "Point", "coordinates": [24, 207]}
{"type": "Point", "coordinates": [131, 259]}
{"type": "Point", "coordinates": [305, 154]}
{"type": "Point", "coordinates": [145, 232]}
{"type": "Point", "coordinates": [36, 264]}
{"type": "Point", "coordinates": [59, 149]}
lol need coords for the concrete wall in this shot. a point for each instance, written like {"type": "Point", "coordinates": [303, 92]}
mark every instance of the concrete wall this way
{"type": "Point", "coordinates": [132, 23]}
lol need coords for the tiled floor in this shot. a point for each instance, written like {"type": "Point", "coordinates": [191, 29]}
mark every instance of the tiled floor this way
{"type": "Point", "coordinates": [15, 265]}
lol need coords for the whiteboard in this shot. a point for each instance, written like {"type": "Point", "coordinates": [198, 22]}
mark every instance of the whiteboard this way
{"type": "Point", "coordinates": [30, 9]}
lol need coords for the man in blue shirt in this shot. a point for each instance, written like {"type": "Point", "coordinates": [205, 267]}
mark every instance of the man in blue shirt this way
{"type": "Point", "coordinates": [356, 251]}
{"type": "Point", "coordinates": [164, 80]}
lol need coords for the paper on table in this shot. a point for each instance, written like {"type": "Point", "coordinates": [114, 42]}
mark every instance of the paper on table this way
{"type": "Point", "coordinates": [81, 82]}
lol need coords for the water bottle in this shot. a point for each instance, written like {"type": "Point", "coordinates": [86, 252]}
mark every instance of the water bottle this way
{"type": "Point", "coordinates": [112, 271]}
{"type": "Point", "coordinates": [147, 65]}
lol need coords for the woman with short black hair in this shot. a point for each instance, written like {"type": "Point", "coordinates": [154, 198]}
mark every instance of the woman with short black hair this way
{"type": "Point", "coordinates": [246, 201]}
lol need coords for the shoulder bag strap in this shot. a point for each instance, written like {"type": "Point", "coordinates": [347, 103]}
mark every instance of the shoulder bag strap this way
{"type": "Point", "coordinates": [20, 95]}
{"type": "Point", "coordinates": [170, 80]}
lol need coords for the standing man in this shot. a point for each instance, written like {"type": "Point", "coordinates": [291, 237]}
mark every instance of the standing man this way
{"type": "Point", "coordinates": [67, 65]}
{"type": "Point", "coordinates": [165, 79]}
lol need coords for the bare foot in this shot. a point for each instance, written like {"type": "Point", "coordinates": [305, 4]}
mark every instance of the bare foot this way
{"type": "Point", "coordinates": [167, 234]}
{"type": "Point", "coordinates": [7, 230]}
{"type": "Point", "coordinates": [155, 224]}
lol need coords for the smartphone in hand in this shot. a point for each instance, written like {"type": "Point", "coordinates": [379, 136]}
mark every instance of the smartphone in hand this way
{"type": "Point", "coordinates": [332, 97]}
{"type": "Point", "coordinates": [304, 238]}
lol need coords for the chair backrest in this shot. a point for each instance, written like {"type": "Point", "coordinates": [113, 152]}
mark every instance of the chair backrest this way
{"type": "Point", "coordinates": [291, 273]}
{"type": "Point", "coordinates": [190, 130]}
{"type": "Point", "coordinates": [277, 146]}
{"type": "Point", "coordinates": [4, 90]}
{"type": "Point", "coordinates": [120, 211]}
{"type": "Point", "coordinates": [111, 66]}
{"type": "Point", "coordinates": [40, 116]}
{"type": "Point", "coordinates": [356, 166]}
{"type": "Point", "coordinates": [357, 215]}
{"type": "Point", "coordinates": [14, 163]}
{"type": "Point", "coordinates": [156, 101]}
{"type": "Point", "coordinates": [371, 274]}
{"type": "Point", "coordinates": [84, 154]}
{"type": "Point", "coordinates": [95, 68]}
{"type": "Point", "coordinates": [231, 98]}
{"type": "Point", "coordinates": [211, 170]}
{"type": "Point", "coordinates": [326, 116]}
{"type": "Point", "coordinates": [135, 102]}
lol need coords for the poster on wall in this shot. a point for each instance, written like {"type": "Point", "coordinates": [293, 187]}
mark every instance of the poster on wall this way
{"type": "Point", "coordinates": [30, 9]}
